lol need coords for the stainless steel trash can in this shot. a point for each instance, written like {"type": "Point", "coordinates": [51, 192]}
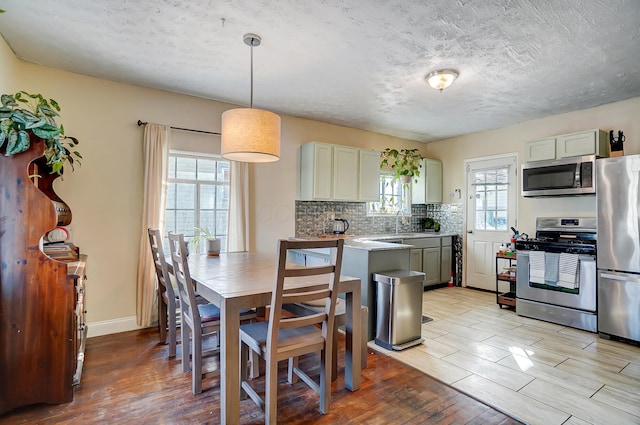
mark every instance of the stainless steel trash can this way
{"type": "Point", "coordinates": [399, 308]}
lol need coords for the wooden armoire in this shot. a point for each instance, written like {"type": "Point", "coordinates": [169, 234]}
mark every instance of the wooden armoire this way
{"type": "Point", "coordinates": [42, 330]}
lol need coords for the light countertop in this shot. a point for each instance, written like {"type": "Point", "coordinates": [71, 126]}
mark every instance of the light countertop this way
{"type": "Point", "coordinates": [383, 242]}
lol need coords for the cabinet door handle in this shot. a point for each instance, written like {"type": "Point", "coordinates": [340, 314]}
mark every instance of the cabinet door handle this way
{"type": "Point", "coordinates": [469, 231]}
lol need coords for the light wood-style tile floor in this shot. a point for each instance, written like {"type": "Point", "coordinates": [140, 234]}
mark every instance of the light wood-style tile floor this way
{"type": "Point", "coordinates": [534, 371]}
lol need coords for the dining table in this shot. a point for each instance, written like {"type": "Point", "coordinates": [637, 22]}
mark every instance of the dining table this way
{"type": "Point", "coordinates": [241, 280]}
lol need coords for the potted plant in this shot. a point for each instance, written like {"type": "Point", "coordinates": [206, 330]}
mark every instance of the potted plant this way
{"type": "Point", "coordinates": [405, 163]}
{"type": "Point", "coordinates": [37, 118]}
{"type": "Point", "coordinates": [204, 234]}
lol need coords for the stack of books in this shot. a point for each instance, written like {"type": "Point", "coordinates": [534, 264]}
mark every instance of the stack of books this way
{"type": "Point", "coordinates": [62, 251]}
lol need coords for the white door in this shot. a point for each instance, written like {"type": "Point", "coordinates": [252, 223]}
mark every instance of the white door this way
{"type": "Point", "coordinates": [491, 212]}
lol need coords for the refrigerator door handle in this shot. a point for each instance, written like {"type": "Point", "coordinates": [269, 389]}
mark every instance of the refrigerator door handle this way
{"type": "Point", "coordinates": [617, 277]}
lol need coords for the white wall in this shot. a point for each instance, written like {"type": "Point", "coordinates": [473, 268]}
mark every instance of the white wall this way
{"type": "Point", "coordinates": [9, 65]}
{"type": "Point", "coordinates": [105, 193]}
{"type": "Point", "coordinates": [616, 116]}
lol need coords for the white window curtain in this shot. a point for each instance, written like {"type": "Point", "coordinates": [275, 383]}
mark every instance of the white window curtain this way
{"type": "Point", "coordinates": [156, 151]}
{"type": "Point", "coordinates": [238, 225]}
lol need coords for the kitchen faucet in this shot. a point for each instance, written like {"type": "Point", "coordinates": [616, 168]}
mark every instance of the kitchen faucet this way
{"type": "Point", "coordinates": [398, 216]}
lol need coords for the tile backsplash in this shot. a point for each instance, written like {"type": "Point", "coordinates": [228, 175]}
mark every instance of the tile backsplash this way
{"type": "Point", "coordinates": [315, 217]}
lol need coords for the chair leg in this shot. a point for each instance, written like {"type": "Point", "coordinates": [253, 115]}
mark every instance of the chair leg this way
{"type": "Point", "coordinates": [162, 318]}
{"type": "Point", "coordinates": [184, 334]}
{"type": "Point", "coordinates": [325, 381]}
{"type": "Point", "coordinates": [254, 371]}
{"type": "Point", "coordinates": [196, 360]}
{"type": "Point", "coordinates": [172, 331]}
{"type": "Point", "coordinates": [271, 395]}
{"type": "Point", "coordinates": [292, 378]}
{"type": "Point", "coordinates": [244, 357]}
{"type": "Point", "coordinates": [334, 357]}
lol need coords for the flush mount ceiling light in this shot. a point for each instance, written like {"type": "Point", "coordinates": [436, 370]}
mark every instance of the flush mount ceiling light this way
{"type": "Point", "coordinates": [442, 78]}
{"type": "Point", "coordinates": [250, 135]}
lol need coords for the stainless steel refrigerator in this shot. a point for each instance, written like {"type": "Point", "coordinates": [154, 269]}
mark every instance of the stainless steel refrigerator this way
{"type": "Point", "coordinates": [618, 259]}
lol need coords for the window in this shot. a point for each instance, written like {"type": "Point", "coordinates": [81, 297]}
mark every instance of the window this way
{"type": "Point", "coordinates": [394, 196]}
{"type": "Point", "coordinates": [197, 195]}
{"type": "Point", "coordinates": [492, 200]}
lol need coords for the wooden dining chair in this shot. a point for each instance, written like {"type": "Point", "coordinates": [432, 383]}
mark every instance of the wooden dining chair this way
{"type": "Point", "coordinates": [199, 321]}
{"type": "Point", "coordinates": [302, 309]}
{"type": "Point", "coordinates": [281, 338]}
{"type": "Point", "coordinates": [168, 301]}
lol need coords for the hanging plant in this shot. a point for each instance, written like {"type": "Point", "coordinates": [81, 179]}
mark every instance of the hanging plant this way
{"type": "Point", "coordinates": [405, 163]}
{"type": "Point", "coordinates": [18, 124]}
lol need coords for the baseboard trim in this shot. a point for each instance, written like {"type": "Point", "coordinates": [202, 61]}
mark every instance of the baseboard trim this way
{"type": "Point", "coordinates": [107, 327]}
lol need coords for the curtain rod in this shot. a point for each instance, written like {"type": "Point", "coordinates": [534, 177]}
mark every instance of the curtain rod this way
{"type": "Point", "coordinates": [141, 123]}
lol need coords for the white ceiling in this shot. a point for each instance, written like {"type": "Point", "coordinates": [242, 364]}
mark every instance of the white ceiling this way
{"type": "Point", "coordinates": [358, 63]}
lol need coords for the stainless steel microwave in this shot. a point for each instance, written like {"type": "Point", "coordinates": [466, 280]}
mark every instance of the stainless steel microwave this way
{"type": "Point", "coordinates": [560, 177]}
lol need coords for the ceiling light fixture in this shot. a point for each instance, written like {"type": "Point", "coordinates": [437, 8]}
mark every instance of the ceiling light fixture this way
{"type": "Point", "coordinates": [250, 135]}
{"type": "Point", "coordinates": [442, 78]}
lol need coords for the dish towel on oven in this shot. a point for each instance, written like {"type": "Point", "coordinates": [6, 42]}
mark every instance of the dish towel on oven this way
{"type": "Point", "coordinates": [536, 266]}
{"type": "Point", "coordinates": [568, 269]}
{"type": "Point", "coordinates": [551, 261]}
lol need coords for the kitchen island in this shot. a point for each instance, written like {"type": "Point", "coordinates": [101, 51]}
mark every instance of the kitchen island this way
{"type": "Point", "coordinates": [368, 254]}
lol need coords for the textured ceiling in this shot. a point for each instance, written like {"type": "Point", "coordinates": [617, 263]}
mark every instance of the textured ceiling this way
{"type": "Point", "coordinates": [358, 63]}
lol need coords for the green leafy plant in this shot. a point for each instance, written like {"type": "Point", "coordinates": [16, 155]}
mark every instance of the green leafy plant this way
{"type": "Point", "coordinates": [201, 234]}
{"type": "Point", "coordinates": [37, 117]}
{"type": "Point", "coordinates": [405, 163]}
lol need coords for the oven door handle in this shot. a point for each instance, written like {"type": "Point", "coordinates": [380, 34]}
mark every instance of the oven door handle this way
{"type": "Point", "coordinates": [617, 277]}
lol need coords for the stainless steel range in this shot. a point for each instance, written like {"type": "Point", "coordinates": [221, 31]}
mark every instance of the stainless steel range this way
{"type": "Point", "coordinates": [556, 272]}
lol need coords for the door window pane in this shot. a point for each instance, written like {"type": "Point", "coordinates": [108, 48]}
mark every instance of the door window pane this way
{"type": "Point", "coordinates": [492, 199]}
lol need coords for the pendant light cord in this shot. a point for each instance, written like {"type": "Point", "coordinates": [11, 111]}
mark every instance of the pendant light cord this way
{"type": "Point", "coordinates": [251, 100]}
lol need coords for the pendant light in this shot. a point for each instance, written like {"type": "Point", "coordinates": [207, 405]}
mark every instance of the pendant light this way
{"type": "Point", "coordinates": [250, 135]}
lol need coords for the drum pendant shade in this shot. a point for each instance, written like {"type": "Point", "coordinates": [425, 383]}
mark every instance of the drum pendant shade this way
{"type": "Point", "coordinates": [250, 135]}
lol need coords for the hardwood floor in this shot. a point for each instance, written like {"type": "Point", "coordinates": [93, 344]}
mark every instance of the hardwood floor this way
{"type": "Point", "coordinates": [538, 372]}
{"type": "Point", "coordinates": [128, 380]}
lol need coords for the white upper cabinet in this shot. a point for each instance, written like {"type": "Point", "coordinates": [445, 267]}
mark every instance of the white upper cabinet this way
{"type": "Point", "coordinates": [539, 150]}
{"type": "Point", "coordinates": [590, 142]}
{"type": "Point", "coordinates": [345, 173]}
{"type": "Point", "coordinates": [369, 183]}
{"type": "Point", "coordinates": [340, 173]}
{"type": "Point", "coordinates": [316, 171]}
{"type": "Point", "coordinates": [428, 188]}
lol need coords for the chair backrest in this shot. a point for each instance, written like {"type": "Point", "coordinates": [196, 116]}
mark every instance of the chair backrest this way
{"type": "Point", "coordinates": [186, 291]}
{"type": "Point", "coordinates": [283, 295]}
{"type": "Point", "coordinates": [160, 263]}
